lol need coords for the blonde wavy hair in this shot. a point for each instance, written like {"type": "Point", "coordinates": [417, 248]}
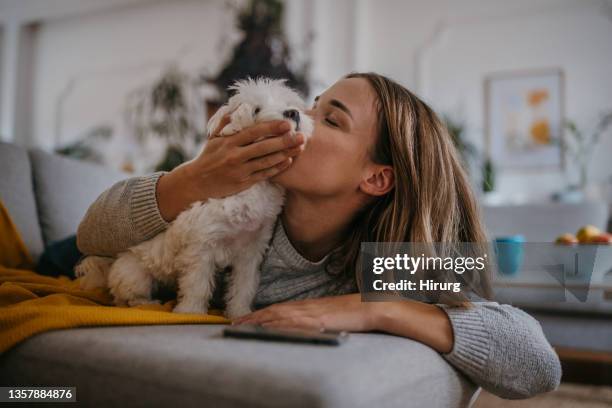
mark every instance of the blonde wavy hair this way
{"type": "Point", "coordinates": [431, 201]}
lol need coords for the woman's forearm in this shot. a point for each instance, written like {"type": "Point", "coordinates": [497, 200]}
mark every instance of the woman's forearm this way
{"type": "Point", "coordinates": [176, 191]}
{"type": "Point", "coordinates": [137, 209]}
{"type": "Point", "coordinates": [123, 216]}
{"type": "Point", "coordinates": [499, 347]}
{"type": "Point", "coordinates": [423, 322]}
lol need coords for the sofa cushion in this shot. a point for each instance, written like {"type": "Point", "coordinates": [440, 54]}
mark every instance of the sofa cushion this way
{"type": "Point", "coordinates": [193, 365]}
{"type": "Point", "coordinates": [64, 189]}
{"type": "Point", "coordinates": [17, 194]}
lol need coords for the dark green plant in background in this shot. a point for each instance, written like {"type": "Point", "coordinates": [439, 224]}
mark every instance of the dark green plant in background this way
{"type": "Point", "coordinates": [263, 51]}
{"type": "Point", "coordinates": [170, 111]}
{"type": "Point", "coordinates": [457, 130]}
{"type": "Point", "coordinates": [488, 176]}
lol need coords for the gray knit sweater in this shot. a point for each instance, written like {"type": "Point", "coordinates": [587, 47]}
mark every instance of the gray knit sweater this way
{"type": "Point", "coordinates": [499, 347]}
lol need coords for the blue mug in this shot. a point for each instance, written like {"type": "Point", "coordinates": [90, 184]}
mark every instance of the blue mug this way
{"type": "Point", "coordinates": [510, 253]}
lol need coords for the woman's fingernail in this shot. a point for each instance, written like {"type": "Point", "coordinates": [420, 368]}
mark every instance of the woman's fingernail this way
{"type": "Point", "coordinates": [284, 127]}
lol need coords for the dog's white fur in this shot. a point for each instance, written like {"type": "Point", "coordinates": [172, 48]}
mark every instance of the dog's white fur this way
{"type": "Point", "coordinates": [210, 235]}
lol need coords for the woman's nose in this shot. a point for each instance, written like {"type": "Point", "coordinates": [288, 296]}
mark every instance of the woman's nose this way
{"type": "Point", "coordinates": [292, 114]}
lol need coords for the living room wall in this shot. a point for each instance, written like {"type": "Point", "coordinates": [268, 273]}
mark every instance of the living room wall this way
{"type": "Point", "coordinates": [445, 49]}
{"type": "Point", "coordinates": [85, 64]}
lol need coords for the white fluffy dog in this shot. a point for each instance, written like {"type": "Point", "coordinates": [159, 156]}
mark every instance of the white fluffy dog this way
{"type": "Point", "coordinates": [232, 231]}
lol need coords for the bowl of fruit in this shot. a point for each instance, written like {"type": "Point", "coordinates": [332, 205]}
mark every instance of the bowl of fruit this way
{"type": "Point", "coordinates": [594, 249]}
{"type": "Point", "coordinates": [588, 234]}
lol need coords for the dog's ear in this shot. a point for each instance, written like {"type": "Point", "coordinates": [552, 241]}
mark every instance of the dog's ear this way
{"type": "Point", "coordinates": [215, 120]}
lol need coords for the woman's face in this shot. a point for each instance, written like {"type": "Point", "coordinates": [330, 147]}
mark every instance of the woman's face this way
{"type": "Point", "coordinates": [335, 159]}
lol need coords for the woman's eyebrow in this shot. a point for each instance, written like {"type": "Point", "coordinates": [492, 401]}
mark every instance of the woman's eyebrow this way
{"type": "Point", "coordinates": [336, 103]}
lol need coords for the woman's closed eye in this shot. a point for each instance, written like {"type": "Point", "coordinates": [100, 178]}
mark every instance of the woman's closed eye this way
{"type": "Point", "coordinates": [331, 122]}
{"type": "Point", "coordinates": [327, 119]}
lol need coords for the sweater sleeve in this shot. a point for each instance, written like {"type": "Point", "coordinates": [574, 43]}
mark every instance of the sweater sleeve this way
{"type": "Point", "coordinates": [123, 216]}
{"type": "Point", "coordinates": [503, 350]}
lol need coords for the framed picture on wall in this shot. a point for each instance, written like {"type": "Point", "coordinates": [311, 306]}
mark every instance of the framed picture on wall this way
{"type": "Point", "coordinates": [524, 119]}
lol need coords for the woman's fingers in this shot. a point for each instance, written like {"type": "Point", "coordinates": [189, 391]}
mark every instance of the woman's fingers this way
{"type": "Point", "coordinates": [277, 311]}
{"type": "Point", "coordinates": [260, 131]}
{"type": "Point", "coordinates": [224, 121]}
{"type": "Point", "coordinates": [271, 145]}
{"type": "Point", "coordinates": [269, 172]}
{"type": "Point", "coordinates": [265, 313]}
{"type": "Point", "coordinates": [271, 160]}
{"type": "Point", "coordinates": [304, 323]}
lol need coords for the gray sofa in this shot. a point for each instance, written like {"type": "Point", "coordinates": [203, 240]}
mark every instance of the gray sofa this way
{"type": "Point", "coordinates": [193, 365]}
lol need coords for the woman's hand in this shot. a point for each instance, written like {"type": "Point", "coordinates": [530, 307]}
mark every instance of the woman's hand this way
{"type": "Point", "coordinates": [419, 321]}
{"type": "Point", "coordinates": [228, 165]}
{"type": "Point", "coordinates": [345, 312]}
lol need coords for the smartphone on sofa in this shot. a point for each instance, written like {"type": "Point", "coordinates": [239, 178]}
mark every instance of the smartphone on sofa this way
{"type": "Point", "coordinates": [248, 331]}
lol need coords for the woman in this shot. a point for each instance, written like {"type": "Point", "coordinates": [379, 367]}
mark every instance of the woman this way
{"type": "Point", "coordinates": [379, 167]}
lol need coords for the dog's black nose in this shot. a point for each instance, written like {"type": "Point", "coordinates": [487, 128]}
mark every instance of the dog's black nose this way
{"type": "Point", "coordinates": [292, 114]}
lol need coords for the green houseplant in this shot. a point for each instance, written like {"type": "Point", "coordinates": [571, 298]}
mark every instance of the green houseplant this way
{"type": "Point", "coordinates": [169, 110]}
{"type": "Point", "coordinates": [263, 51]}
{"type": "Point", "coordinates": [580, 145]}
{"type": "Point", "coordinates": [470, 155]}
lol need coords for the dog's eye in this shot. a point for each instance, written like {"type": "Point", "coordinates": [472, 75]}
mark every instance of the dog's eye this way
{"type": "Point", "coordinates": [257, 110]}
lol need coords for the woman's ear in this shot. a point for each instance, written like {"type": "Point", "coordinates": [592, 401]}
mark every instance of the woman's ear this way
{"type": "Point", "coordinates": [379, 181]}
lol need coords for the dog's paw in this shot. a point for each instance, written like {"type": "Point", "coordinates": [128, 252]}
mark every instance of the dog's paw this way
{"type": "Point", "coordinates": [92, 272]}
{"type": "Point", "coordinates": [189, 307]}
{"type": "Point", "coordinates": [79, 270]}
{"type": "Point", "coordinates": [91, 282]}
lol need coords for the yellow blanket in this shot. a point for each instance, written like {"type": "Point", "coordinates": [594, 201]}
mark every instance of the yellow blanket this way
{"type": "Point", "coordinates": [32, 303]}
